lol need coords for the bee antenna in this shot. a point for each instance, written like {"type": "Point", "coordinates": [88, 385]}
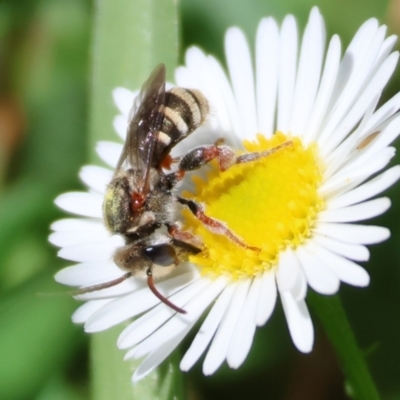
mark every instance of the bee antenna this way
{"type": "Point", "coordinates": [150, 282]}
{"type": "Point", "coordinates": [100, 286]}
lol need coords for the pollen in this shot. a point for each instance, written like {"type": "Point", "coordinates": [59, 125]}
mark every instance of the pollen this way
{"type": "Point", "coordinates": [271, 204]}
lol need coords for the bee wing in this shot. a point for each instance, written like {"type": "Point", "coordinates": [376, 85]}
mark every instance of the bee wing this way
{"type": "Point", "coordinates": [146, 119]}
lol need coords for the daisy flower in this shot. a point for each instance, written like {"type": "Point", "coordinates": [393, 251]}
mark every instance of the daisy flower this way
{"type": "Point", "coordinates": [300, 206]}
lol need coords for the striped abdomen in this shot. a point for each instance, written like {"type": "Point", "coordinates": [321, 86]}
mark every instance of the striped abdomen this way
{"type": "Point", "coordinates": [184, 111]}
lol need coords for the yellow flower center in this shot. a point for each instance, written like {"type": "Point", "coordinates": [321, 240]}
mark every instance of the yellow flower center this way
{"type": "Point", "coordinates": [271, 204]}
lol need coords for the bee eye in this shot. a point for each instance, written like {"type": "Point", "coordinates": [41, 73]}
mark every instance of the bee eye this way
{"type": "Point", "coordinates": [162, 254]}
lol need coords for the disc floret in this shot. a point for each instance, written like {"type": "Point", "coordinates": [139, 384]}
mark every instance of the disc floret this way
{"type": "Point", "coordinates": [271, 203]}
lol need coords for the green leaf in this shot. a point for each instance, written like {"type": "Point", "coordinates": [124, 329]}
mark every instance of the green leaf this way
{"type": "Point", "coordinates": [49, 77]}
{"type": "Point", "coordinates": [130, 38]}
{"type": "Point", "coordinates": [36, 335]}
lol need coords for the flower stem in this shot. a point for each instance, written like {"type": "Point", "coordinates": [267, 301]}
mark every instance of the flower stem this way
{"type": "Point", "coordinates": [130, 38]}
{"type": "Point", "coordinates": [112, 376]}
{"type": "Point", "coordinates": [359, 385]}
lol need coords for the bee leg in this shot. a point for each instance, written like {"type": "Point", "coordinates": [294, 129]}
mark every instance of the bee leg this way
{"type": "Point", "coordinates": [213, 224]}
{"type": "Point", "coordinates": [183, 248]}
{"type": "Point", "coordinates": [183, 236]}
{"type": "Point", "coordinates": [202, 155]}
{"type": "Point", "coordinates": [248, 157]}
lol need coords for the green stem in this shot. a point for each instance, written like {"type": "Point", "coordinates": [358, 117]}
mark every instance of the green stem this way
{"type": "Point", "coordinates": [112, 375]}
{"type": "Point", "coordinates": [130, 38]}
{"type": "Point", "coordinates": [360, 385]}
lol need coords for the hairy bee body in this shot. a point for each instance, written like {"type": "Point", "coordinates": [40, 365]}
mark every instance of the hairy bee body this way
{"type": "Point", "coordinates": [140, 202]}
{"type": "Point", "coordinates": [118, 214]}
{"type": "Point", "coordinates": [184, 111]}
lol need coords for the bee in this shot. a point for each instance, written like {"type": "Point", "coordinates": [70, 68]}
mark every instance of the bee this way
{"type": "Point", "coordinates": [141, 202]}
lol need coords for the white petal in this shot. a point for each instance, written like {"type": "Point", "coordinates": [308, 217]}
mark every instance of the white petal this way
{"type": "Point", "coordinates": [386, 48]}
{"type": "Point", "coordinates": [85, 311]}
{"type": "Point", "coordinates": [229, 98]}
{"type": "Point", "coordinates": [319, 276]}
{"type": "Point", "coordinates": [372, 89]}
{"type": "Point", "coordinates": [149, 322]}
{"type": "Point", "coordinates": [382, 114]}
{"type": "Point", "coordinates": [68, 238]}
{"type": "Point", "coordinates": [359, 212]}
{"type": "Point", "coordinates": [182, 322]}
{"type": "Point", "coordinates": [367, 190]}
{"type": "Point", "coordinates": [363, 153]}
{"type": "Point", "coordinates": [351, 233]}
{"type": "Point", "coordinates": [382, 140]}
{"type": "Point", "coordinates": [184, 77]}
{"type": "Point", "coordinates": [290, 277]}
{"type": "Point", "coordinates": [350, 77]}
{"type": "Point", "coordinates": [123, 98]}
{"type": "Point", "coordinates": [156, 357]}
{"type": "Point", "coordinates": [97, 251]}
{"type": "Point", "coordinates": [346, 270]}
{"type": "Point", "coordinates": [353, 251]}
{"type": "Point", "coordinates": [362, 39]}
{"type": "Point", "coordinates": [376, 164]}
{"type": "Point", "coordinates": [299, 322]}
{"type": "Point", "coordinates": [287, 72]}
{"type": "Point", "coordinates": [267, 300]}
{"type": "Point", "coordinates": [207, 329]}
{"type": "Point", "coordinates": [243, 333]}
{"type": "Point", "coordinates": [346, 150]}
{"type": "Point", "coordinates": [81, 203]}
{"type": "Point", "coordinates": [241, 73]}
{"type": "Point", "coordinates": [344, 179]}
{"type": "Point", "coordinates": [123, 288]}
{"type": "Point", "coordinates": [109, 152]}
{"type": "Point", "coordinates": [288, 271]}
{"type": "Point", "coordinates": [96, 178]}
{"type": "Point", "coordinates": [120, 124]}
{"type": "Point", "coordinates": [135, 303]}
{"type": "Point", "coordinates": [207, 71]}
{"type": "Point", "coordinates": [77, 225]}
{"type": "Point", "coordinates": [299, 291]}
{"type": "Point", "coordinates": [220, 345]}
{"type": "Point", "coordinates": [87, 274]}
{"type": "Point", "coordinates": [195, 57]}
{"type": "Point", "coordinates": [309, 71]}
{"type": "Point", "coordinates": [325, 89]}
{"type": "Point", "coordinates": [215, 94]}
{"type": "Point", "coordinates": [267, 59]}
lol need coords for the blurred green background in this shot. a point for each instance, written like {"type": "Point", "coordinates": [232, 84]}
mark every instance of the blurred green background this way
{"type": "Point", "coordinates": [44, 85]}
